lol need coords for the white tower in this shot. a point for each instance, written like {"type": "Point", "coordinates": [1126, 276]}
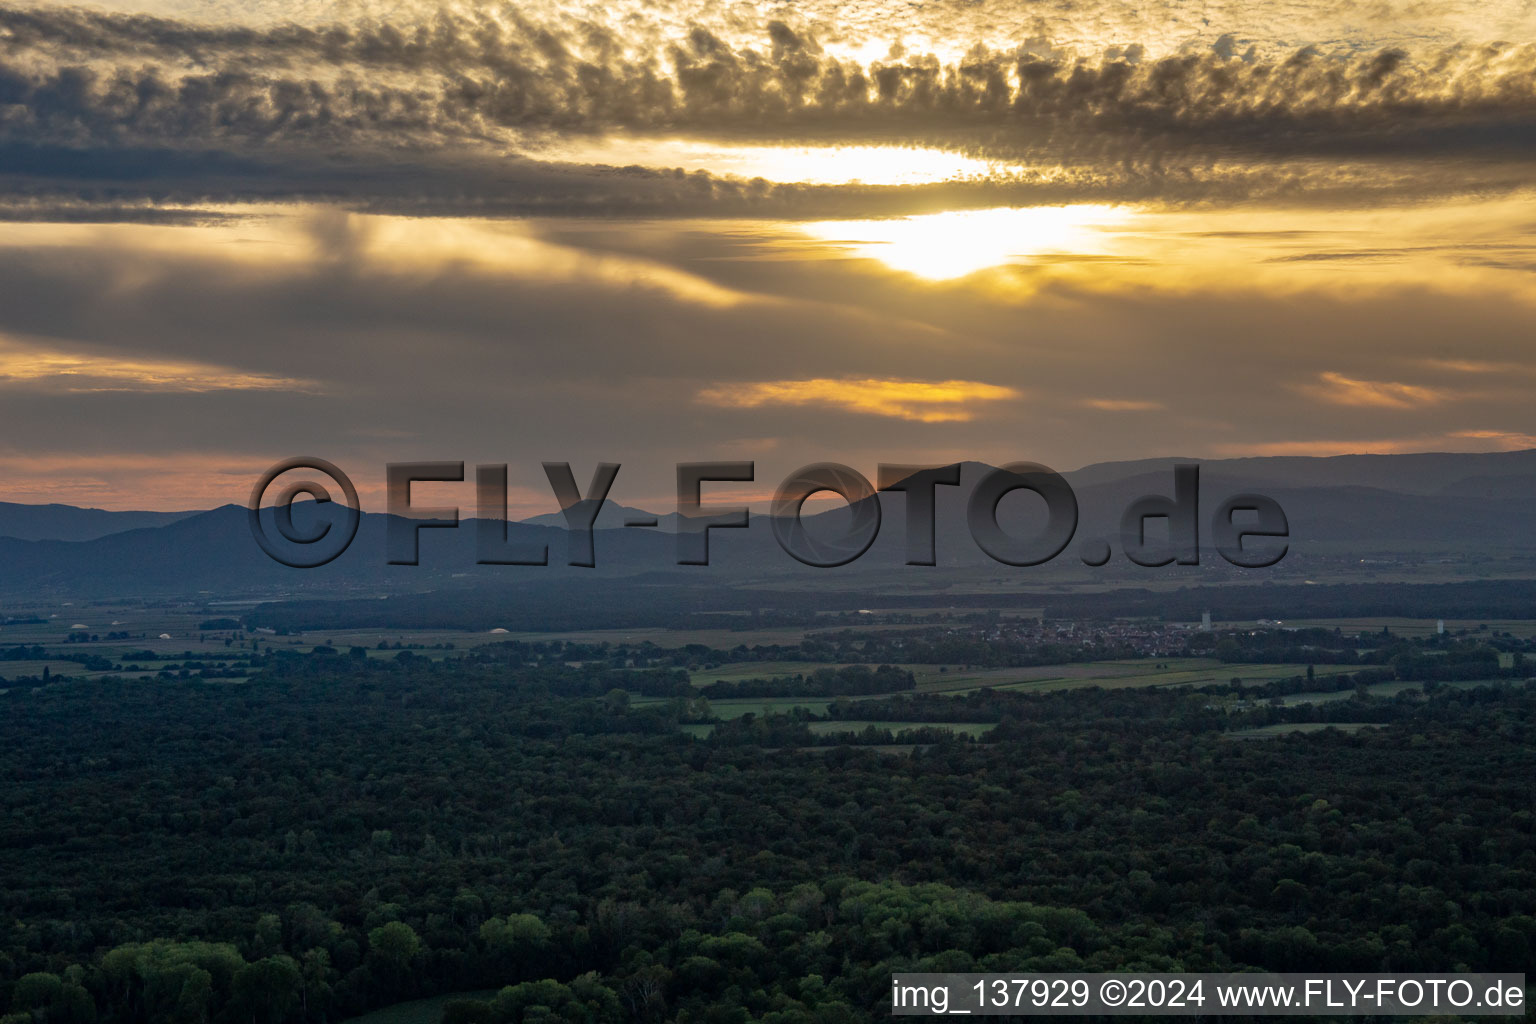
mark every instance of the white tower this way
{"type": "Point", "coordinates": [1205, 622]}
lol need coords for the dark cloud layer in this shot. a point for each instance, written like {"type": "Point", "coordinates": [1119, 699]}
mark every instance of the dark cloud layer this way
{"type": "Point", "coordinates": [449, 361]}
{"type": "Point", "coordinates": [98, 107]}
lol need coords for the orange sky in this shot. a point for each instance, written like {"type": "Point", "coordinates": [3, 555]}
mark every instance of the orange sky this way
{"type": "Point", "coordinates": [813, 236]}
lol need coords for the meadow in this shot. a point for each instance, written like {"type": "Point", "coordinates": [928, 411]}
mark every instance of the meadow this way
{"type": "Point", "coordinates": [959, 679]}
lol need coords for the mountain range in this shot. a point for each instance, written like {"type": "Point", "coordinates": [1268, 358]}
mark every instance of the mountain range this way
{"type": "Point", "coordinates": [1438, 515]}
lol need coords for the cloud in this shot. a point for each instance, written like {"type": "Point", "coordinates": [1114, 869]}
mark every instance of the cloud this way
{"type": "Point", "coordinates": [1452, 441]}
{"type": "Point", "coordinates": [186, 479]}
{"type": "Point", "coordinates": [1338, 389]}
{"type": "Point", "coordinates": [499, 342]}
{"type": "Point", "coordinates": [945, 401]}
{"type": "Point", "coordinates": [1122, 405]}
{"type": "Point", "coordinates": [24, 364]}
{"type": "Point", "coordinates": [456, 108]}
{"type": "Point", "coordinates": [1504, 440]}
{"type": "Point", "coordinates": [1476, 366]}
{"type": "Point", "coordinates": [68, 210]}
{"type": "Point", "coordinates": [1341, 257]}
{"type": "Point", "coordinates": [1327, 448]}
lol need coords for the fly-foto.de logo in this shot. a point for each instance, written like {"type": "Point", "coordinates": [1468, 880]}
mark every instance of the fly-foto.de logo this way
{"type": "Point", "coordinates": [1248, 530]}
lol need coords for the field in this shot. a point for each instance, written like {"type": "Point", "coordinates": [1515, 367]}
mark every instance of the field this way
{"type": "Point", "coordinates": [1266, 732]}
{"type": "Point", "coordinates": [730, 709]}
{"type": "Point", "coordinates": [738, 671]}
{"type": "Point", "coordinates": [978, 729]}
{"type": "Point", "coordinates": [1391, 689]}
{"type": "Point", "coordinates": [1114, 674]}
{"type": "Point", "coordinates": [955, 680]}
{"type": "Point", "coordinates": [1410, 627]}
{"type": "Point", "coordinates": [417, 1011]}
{"type": "Point", "coordinates": [1119, 674]}
{"type": "Point", "coordinates": [670, 638]}
{"type": "Point", "coordinates": [144, 624]}
{"type": "Point", "coordinates": [12, 669]}
{"type": "Point", "coordinates": [144, 627]}
{"type": "Point", "coordinates": [963, 728]}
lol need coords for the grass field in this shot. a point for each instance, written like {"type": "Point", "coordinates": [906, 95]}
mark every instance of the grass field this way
{"type": "Point", "coordinates": [702, 730]}
{"type": "Point", "coordinates": [957, 679]}
{"type": "Point", "coordinates": [1386, 690]}
{"type": "Point", "coordinates": [1410, 627]}
{"type": "Point", "coordinates": [670, 638]}
{"type": "Point", "coordinates": [963, 728]}
{"type": "Point", "coordinates": [730, 709]}
{"type": "Point", "coordinates": [1116, 674]}
{"type": "Point", "coordinates": [737, 671]}
{"type": "Point", "coordinates": [887, 749]}
{"type": "Point", "coordinates": [1265, 732]}
{"type": "Point", "coordinates": [145, 624]}
{"type": "Point", "coordinates": [418, 1011]}
{"type": "Point", "coordinates": [18, 669]}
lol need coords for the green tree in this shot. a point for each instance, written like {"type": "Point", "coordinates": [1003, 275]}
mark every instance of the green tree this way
{"type": "Point", "coordinates": [36, 992]}
{"type": "Point", "coordinates": [396, 943]}
{"type": "Point", "coordinates": [267, 991]}
{"type": "Point", "coordinates": [315, 969]}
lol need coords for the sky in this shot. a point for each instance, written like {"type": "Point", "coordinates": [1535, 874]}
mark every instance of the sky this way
{"type": "Point", "coordinates": [1062, 231]}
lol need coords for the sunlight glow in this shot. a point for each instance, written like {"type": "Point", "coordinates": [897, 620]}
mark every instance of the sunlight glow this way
{"type": "Point", "coordinates": [42, 364]}
{"type": "Point", "coordinates": [961, 242]}
{"type": "Point", "coordinates": [1338, 389]}
{"type": "Point", "coordinates": [922, 401]}
{"type": "Point", "coordinates": [808, 165]}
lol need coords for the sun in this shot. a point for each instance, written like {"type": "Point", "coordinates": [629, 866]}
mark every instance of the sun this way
{"type": "Point", "coordinates": [947, 245]}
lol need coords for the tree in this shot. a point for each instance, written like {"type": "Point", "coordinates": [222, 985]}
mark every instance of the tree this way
{"type": "Point", "coordinates": [269, 934]}
{"type": "Point", "coordinates": [315, 970]}
{"type": "Point", "coordinates": [267, 991]}
{"type": "Point", "coordinates": [517, 931]}
{"type": "Point", "coordinates": [396, 943]}
{"type": "Point", "coordinates": [37, 991]}
{"type": "Point", "coordinates": [194, 997]}
{"type": "Point", "coordinates": [645, 991]}
{"type": "Point", "coordinates": [517, 942]}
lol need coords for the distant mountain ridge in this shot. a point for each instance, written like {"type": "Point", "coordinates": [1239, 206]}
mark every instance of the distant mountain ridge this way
{"type": "Point", "coordinates": [612, 516]}
{"type": "Point", "coordinates": [68, 522]}
{"type": "Point", "coordinates": [1347, 515]}
{"type": "Point", "coordinates": [1407, 473]}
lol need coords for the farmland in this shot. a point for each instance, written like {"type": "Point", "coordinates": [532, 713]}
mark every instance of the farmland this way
{"type": "Point", "coordinates": [958, 679]}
